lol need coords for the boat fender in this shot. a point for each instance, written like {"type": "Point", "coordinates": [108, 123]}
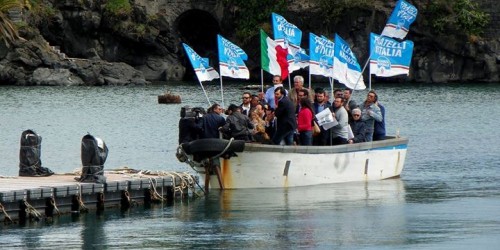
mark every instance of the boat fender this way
{"type": "Point", "coordinates": [215, 145]}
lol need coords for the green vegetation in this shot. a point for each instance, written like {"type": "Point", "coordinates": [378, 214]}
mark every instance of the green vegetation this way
{"type": "Point", "coordinates": [458, 15]}
{"type": "Point", "coordinates": [8, 31]}
{"type": "Point", "coordinates": [250, 15]}
{"type": "Point", "coordinates": [118, 7]}
{"type": "Point", "coordinates": [40, 13]}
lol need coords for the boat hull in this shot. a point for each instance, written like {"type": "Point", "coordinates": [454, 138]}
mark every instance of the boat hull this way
{"type": "Point", "coordinates": [270, 166]}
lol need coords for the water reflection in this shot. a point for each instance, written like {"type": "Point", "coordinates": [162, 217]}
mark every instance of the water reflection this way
{"type": "Point", "coordinates": [293, 217]}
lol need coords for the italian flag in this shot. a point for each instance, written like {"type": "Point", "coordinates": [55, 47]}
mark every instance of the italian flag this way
{"type": "Point", "coordinates": [273, 56]}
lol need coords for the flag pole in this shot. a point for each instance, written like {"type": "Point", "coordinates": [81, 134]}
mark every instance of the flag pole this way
{"type": "Point", "coordinates": [369, 79]}
{"type": "Point", "coordinates": [221, 89]}
{"type": "Point", "coordinates": [289, 83]}
{"type": "Point", "coordinates": [361, 75]}
{"type": "Point", "coordinates": [309, 77]}
{"type": "Point", "coordinates": [331, 86]}
{"type": "Point", "coordinates": [261, 80]}
{"type": "Point", "coordinates": [221, 92]}
{"type": "Point", "coordinates": [208, 100]}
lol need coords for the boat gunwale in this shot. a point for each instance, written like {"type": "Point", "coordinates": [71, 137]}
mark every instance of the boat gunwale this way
{"type": "Point", "coordinates": [391, 141]}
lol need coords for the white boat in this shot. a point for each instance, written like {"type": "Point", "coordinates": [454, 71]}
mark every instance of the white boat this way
{"type": "Point", "coordinates": [252, 165]}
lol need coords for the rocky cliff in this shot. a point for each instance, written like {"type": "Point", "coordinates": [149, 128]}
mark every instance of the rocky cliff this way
{"type": "Point", "coordinates": [85, 42]}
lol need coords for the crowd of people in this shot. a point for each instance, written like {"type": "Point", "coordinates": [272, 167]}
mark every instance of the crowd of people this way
{"type": "Point", "coordinates": [278, 116]}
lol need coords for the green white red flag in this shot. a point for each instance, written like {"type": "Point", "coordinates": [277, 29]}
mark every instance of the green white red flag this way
{"type": "Point", "coordinates": [273, 56]}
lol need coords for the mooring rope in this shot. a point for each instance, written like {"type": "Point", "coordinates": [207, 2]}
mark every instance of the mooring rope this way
{"type": "Point", "coordinates": [155, 195]}
{"type": "Point", "coordinates": [8, 177]}
{"type": "Point", "coordinates": [32, 211]}
{"type": "Point", "coordinates": [35, 147]}
{"type": "Point", "coordinates": [53, 203]}
{"type": "Point", "coordinates": [7, 218]}
{"type": "Point", "coordinates": [83, 208]}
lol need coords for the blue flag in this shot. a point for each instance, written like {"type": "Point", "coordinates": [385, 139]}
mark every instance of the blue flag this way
{"type": "Point", "coordinates": [346, 68]}
{"type": "Point", "coordinates": [285, 32]}
{"type": "Point", "coordinates": [399, 22]}
{"type": "Point", "coordinates": [389, 57]}
{"type": "Point", "coordinates": [298, 59]}
{"type": "Point", "coordinates": [200, 65]}
{"type": "Point", "coordinates": [231, 59]}
{"type": "Point", "coordinates": [321, 51]}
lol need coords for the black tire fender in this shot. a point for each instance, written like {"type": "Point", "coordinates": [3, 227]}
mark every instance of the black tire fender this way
{"type": "Point", "coordinates": [214, 145]}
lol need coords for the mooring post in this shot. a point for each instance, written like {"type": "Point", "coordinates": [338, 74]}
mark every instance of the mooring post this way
{"type": "Point", "coordinates": [125, 200]}
{"type": "Point", "coordinates": [100, 203]}
{"type": "Point", "coordinates": [49, 207]}
{"type": "Point", "coordinates": [22, 212]}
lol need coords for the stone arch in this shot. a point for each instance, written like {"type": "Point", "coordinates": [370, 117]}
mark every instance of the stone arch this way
{"type": "Point", "coordinates": [198, 29]}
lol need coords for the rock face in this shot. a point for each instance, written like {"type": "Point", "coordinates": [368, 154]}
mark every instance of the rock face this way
{"type": "Point", "coordinates": [33, 62]}
{"type": "Point", "coordinates": [143, 45]}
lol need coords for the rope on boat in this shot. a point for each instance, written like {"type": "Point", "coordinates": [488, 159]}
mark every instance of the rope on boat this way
{"type": "Point", "coordinates": [225, 149]}
{"type": "Point", "coordinates": [32, 211]}
{"type": "Point", "coordinates": [7, 219]}
{"type": "Point", "coordinates": [183, 157]}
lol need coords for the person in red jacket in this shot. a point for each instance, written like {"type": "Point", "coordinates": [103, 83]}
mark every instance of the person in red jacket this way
{"type": "Point", "coordinates": [305, 119]}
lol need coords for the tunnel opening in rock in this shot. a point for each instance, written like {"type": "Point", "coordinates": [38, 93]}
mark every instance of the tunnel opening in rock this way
{"type": "Point", "coordinates": [198, 29]}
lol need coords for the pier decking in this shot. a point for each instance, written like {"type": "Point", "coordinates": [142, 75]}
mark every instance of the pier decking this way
{"type": "Point", "coordinates": [24, 198]}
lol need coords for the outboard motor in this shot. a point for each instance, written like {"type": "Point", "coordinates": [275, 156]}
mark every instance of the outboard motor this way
{"type": "Point", "coordinates": [190, 124]}
{"type": "Point", "coordinates": [94, 154]}
{"type": "Point", "coordinates": [30, 163]}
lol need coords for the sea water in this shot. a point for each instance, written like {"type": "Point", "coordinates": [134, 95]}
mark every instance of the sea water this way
{"type": "Point", "coordinates": [448, 196]}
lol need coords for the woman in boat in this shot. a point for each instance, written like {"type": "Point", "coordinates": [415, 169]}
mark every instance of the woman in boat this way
{"type": "Point", "coordinates": [259, 129]}
{"type": "Point", "coordinates": [305, 119]}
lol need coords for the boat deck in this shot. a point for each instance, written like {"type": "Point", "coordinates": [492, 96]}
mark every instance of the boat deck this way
{"type": "Point", "coordinates": [61, 193]}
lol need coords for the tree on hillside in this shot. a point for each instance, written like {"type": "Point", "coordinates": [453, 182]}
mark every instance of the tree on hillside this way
{"type": "Point", "coordinates": [8, 31]}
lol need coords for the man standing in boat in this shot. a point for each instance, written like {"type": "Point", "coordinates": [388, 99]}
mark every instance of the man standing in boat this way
{"type": "Point", "coordinates": [269, 96]}
{"type": "Point", "coordinates": [298, 83]}
{"type": "Point", "coordinates": [370, 113]}
{"type": "Point", "coordinates": [340, 132]}
{"type": "Point", "coordinates": [349, 103]}
{"type": "Point", "coordinates": [321, 103]}
{"type": "Point", "coordinates": [245, 105]}
{"type": "Point", "coordinates": [212, 122]}
{"type": "Point", "coordinates": [285, 118]}
{"type": "Point", "coordinates": [379, 126]}
{"type": "Point", "coordinates": [238, 125]}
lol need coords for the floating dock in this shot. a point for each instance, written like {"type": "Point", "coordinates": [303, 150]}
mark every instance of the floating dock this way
{"type": "Point", "coordinates": [33, 198]}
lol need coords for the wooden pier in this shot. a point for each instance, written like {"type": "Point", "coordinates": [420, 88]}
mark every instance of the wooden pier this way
{"type": "Point", "coordinates": [34, 198]}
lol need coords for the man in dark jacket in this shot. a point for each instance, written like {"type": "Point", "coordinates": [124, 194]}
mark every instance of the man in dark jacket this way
{"type": "Point", "coordinates": [238, 125]}
{"type": "Point", "coordinates": [285, 118]}
{"type": "Point", "coordinates": [379, 127]}
{"type": "Point", "coordinates": [212, 122]}
{"type": "Point", "coordinates": [321, 103]}
{"type": "Point", "coordinates": [358, 127]}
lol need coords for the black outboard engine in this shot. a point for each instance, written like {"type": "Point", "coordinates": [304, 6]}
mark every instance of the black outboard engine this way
{"type": "Point", "coordinates": [94, 154]}
{"type": "Point", "coordinates": [30, 163]}
{"type": "Point", "coordinates": [190, 124]}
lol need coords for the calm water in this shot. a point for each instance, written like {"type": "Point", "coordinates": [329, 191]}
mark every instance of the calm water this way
{"type": "Point", "coordinates": [448, 196]}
